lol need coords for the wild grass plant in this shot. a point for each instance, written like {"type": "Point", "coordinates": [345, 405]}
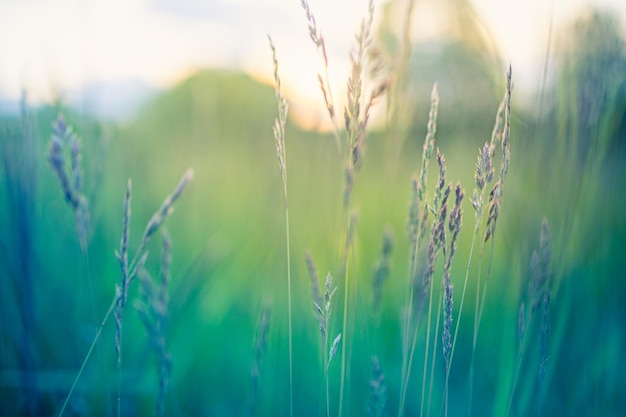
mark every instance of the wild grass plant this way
{"type": "Point", "coordinates": [279, 139]}
{"type": "Point", "coordinates": [421, 289]}
{"type": "Point", "coordinates": [323, 309]}
{"type": "Point", "coordinates": [500, 136]}
{"type": "Point", "coordinates": [129, 272]}
{"type": "Point", "coordinates": [416, 227]}
{"type": "Point", "coordinates": [64, 145]}
{"type": "Point", "coordinates": [365, 85]}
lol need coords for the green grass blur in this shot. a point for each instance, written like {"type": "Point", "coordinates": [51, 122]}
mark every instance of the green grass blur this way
{"type": "Point", "coordinates": [568, 166]}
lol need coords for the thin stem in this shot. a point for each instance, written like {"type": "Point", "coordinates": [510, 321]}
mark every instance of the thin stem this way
{"type": "Point", "coordinates": [345, 324]}
{"type": "Point", "coordinates": [518, 366]}
{"type": "Point", "coordinates": [407, 375]}
{"type": "Point", "coordinates": [86, 264]}
{"type": "Point", "coordinates": [333, 119]}
{"type": "Point", "coordinates": [458, 319]}
{"type": "Point", "coordinates": [480, 301]}
{"type": "Point", "coordinates": [446, 390]}
{"type": "Point", "coordinates": [432, 364]}
{"type": "Point", "coordinates": [89, 352]}
{"type": "Point", "coordinates": [326, 365]}
{"type": "Point", "coordinates": [279, 138]}
{"type": "Point", "coordinates": [406, 366]}
{"type": "Point", "coordinates": [487, 276]}
{"type": "Point", "coordinates": [119, 374]}
{"type": "Point", "coordinates": [424, 372]}
{"type": "Point", "coordinates": [85, 256]}
{"type": "Point", "coordinates": [421, 200]}
{"type": "Point", "coordinates": [406, 358]}
{"type": "Point", "coordinates": [289, 305]}
{"type": "Point", "coordinates": [475, 336]}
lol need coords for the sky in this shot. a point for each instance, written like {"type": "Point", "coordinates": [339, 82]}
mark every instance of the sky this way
{"type": "Point", "coordinates": [51, 48]}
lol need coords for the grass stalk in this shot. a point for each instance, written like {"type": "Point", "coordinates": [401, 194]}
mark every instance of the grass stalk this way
{"type": "Point", "coordinates": [329, 351]}
{"type": "Point", "coordinates": [367, 65]}
{"type": "Point", "coordinates": [478, 313]}
{"type": "Point", "coordinates": [323, 310]}
{"type": "Point", "coordinates": [346, 298]}
{"type": "Point", "coordinates": [454, 227]}
{"type": "Point", "coordinates": [88, 355]}
{"type": "Point", "coordinates": [435, 244]}
{"type": "Point", "coordinates": [324, 81]}
{"type": "Point", "coordinates": [418, 215]}
{"type": "Point", "coordinates": [129, 273]}
{"type": "Point", "coordinates": [279, 138]}
{"type": "Point", "coordinates": [326, 378]}
{"type": "Point", "coordinates": [500, 136]}
{"type": "Point", "coordinates": [344, 330]}
{"type": "Point", "coordinates": [434, 358]}
{"type": "Point", "coordinates": [65, 142]}
{"type": "Point", "coordinates": [470, 394]}
{"type": "Point", "coordinates": [426, 351]}
{"type": "Point", "coordinates": [483, 176]}
{"type": "Point", "coordinates": [518, 367]}
{"type": "Point", "coordinates": [289, 312]}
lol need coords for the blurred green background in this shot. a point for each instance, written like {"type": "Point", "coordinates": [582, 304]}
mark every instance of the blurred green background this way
{"type": "Point", "coordinates": [568, 166]}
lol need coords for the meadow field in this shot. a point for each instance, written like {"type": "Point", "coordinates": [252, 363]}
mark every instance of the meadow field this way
{"type": "Point", "coordinates": [440, 249]}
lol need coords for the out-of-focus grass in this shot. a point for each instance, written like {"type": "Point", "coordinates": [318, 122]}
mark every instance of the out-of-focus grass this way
{"type": "Point", "coordinates": [228, 256]}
